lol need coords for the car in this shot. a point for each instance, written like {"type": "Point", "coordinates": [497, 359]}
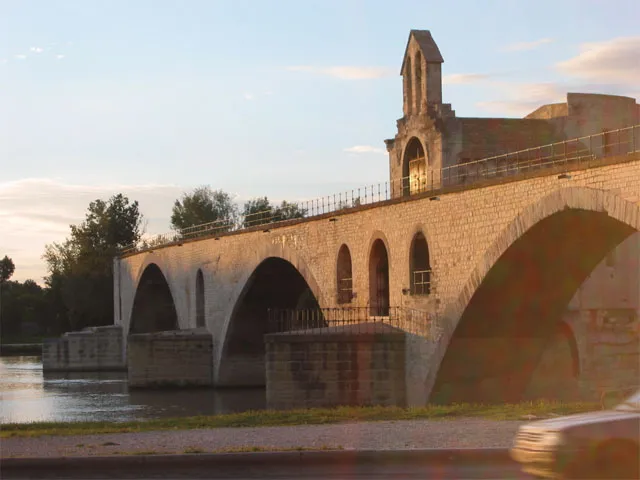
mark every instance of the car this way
{"type": "Point", "coordinates": [600, 444]}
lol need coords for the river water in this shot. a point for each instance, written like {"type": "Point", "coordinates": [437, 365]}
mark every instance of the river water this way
{"type": "Point", "coordinates": [29, 395]}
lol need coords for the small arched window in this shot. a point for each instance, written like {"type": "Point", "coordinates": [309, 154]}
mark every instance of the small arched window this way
{"type": "Point", "coordinates": [200, 320]}
{"type": "Point", "coordinates": [420, 269]}
{"type": "Point", "coordinates": [344, 280]}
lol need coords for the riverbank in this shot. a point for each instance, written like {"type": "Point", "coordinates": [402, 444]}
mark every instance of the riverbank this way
{"type": "Point", "coordinates": [318, 416]}
{"type": "Point", "coordinates": [20, 349]}
{"type": "Point", "coordinates": [463, 432]}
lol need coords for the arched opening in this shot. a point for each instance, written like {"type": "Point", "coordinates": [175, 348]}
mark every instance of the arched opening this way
{"type": "Point", "coordinates": [514, 316]}
{"type": "Point", "coordinates": [275, 283]}
{"type": "Point", "coordinates": [408, 87]}
{"type": "Point", "coordinates": [200, 320]}
{"type": "Point", "coordinates": [414, 165]}
{"type": "Point", "coordinates": [418, 81]}
{"type": "Point", "coordinates": [420, 269]}
{"type": "Point", "coordinates": [153, 307]}
{"type": "Point", "coordinates": [379, 279]}
{"type": "Point", "coordinates": [344, 280]}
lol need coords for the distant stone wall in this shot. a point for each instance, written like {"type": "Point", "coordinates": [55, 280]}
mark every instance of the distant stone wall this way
{"type": "Point", "coordinates": [91, 349]}
{"type": "Point", "coordinates": [343, 367]}
{"type": "Point", "coordinates": [170, 359]}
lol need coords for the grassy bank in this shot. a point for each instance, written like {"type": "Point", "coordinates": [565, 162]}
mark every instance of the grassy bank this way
{"type": "Point", "coordinates": [521, 411]}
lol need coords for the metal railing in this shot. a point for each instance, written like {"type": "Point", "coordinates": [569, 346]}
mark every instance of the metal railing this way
{"type": "Point", "coordinates": [568, 154]}
{"type": "Point", "coordinates": [351, 319]}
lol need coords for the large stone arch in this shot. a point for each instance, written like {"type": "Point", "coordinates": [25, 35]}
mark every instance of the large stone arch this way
{"type": "Point", "coordinates": [251, 371]}
{"type": "Point", "coordinates": [179, 301]}
{"type": "Point", "coordinates": [153, 308]}
{"type": "Point", "coordinates": [612, 217]}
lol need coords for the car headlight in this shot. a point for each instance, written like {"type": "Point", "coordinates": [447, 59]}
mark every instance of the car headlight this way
{"type": "Point", "coordinates": [554, 439]}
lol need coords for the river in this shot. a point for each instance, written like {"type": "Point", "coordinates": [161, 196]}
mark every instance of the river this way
{"type": "Point", "coordinates": [29, 395]}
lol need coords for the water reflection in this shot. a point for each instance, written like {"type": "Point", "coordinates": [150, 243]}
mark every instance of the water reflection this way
{"type": "Point", "coordinates": [28, 395]}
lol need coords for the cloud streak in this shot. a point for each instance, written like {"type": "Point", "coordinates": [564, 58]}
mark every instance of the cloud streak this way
{"type": "Point", "coordinates": [615, 61]}
{"type": "Point", "coordinates": [346, 72]}
{"type": "Point", "coordinates": [464, 78]}
{"type": "Point", "coordinates": [524, 46]}
{"type": "Point", "coordinates": [365, 149]}
{"type": "Point", "coordinates": [35, 212]}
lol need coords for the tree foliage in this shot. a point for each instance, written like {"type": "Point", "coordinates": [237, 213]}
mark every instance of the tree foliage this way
{"type": "Point", "coordinates": [80, 279]}
{"type": "Point", "coordinates": [259, 211]}
{"type": "Point", "coordinates": [201, 206]}
{"type": "Point", "coordinates": [7, 268]}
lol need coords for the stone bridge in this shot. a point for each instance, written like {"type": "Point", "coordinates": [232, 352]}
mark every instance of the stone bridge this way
{"type": "Point", "coordinates": [494, 264]}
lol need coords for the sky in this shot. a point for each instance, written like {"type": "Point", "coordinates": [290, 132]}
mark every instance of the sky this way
{"type": "Point", "coordinates": [288, 99]}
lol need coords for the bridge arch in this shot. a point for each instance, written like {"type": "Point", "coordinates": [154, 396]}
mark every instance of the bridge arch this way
{"type": "Point", "coordinates": [379, 268]}
{"type": "Point", "coordinates": [153, 307]}
{"type": "Point", "coordinates": [280, 279]}
{"type": "Point", "coordinates": [512, 303]}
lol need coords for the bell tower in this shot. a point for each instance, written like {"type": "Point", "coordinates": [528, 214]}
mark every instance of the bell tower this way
{"type": "Point", "coordinates": [421, 74]}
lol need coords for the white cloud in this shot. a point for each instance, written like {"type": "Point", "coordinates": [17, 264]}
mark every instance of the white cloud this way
{"type": "Point", "coordinates": [36, 49]}
{"type": "Point", "coordinates": [248, 96]}
{"type": "Point", "coordinates": [347, 72]}
{"type": "Point", "coordinates": [59, 56]}
{"type": "Point", "coordinates": [521, 46]}
{"type": "Point", "coordinates": [463, 78]}
{"type": "Point", "coordinates": [3, 60]}
{"type": "Point", "coordinates": [268, 92]}
{"type": "Point", "coordinates": [523, 98]}
{"type": "Point", "coordinates": [20, 57]}
{"type": "Point", "coordinates": [365, 149]}
{"type": "Point", "coordinates": [35, 212]}
{"type": "Point", "coordinates": [615, 61]}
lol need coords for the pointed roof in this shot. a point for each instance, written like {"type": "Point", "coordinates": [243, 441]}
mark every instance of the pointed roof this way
{"type": "Point", "coordinates": [427, 45]}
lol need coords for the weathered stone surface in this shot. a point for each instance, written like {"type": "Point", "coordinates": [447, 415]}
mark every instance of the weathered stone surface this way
{"type": "Point", "coordinates": [91, 349]}
{"type": "Point", "coordinates": [341, 368]}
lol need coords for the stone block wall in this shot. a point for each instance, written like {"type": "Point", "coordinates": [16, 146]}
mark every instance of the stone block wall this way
{"type": "Point", "coordinates": [170, 359]}
{"type": "Point", "coordinates": [91, 349]}
{"type": "Point", "coordinates": [316, 369]}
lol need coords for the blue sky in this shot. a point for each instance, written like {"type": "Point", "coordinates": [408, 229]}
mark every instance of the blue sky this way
{"type": "Point", "coordinates": [154, 97]}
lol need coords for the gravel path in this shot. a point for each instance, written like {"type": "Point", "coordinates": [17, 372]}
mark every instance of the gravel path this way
{"type": "Point", "coordinates": [458, 433]}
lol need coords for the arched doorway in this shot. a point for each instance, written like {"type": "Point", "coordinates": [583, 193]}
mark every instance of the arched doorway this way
{"type": "Point", "coordinates": [414, 168]}
{"type": "Point", "coordinates": [419, 267]}
{"type": "Point", "coordinates": [344, 279]}
{"type": "Point", "coordinates": [200, 317]}
{"type": "Point", "coordinates": [275, 284]}
{"type": "Point", "coordinates": [379, 279]}
{"type": "Point", "coordinates": [153, 307]}
{"type": "Point", "coordinates": [515, 314]}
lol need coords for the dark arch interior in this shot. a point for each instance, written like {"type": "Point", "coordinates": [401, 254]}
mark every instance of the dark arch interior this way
{"type": "Point", "coordinates": [515, 312]}
{"type": "Point", "coordinates": [379, 279]}
{"type": "Point", "coordinates": [274, 284]}
{"type": "Point", "coordinates": [153, 307]}
{"type": "Point", "coordinates": [418, 84]}
{"type": "Point", "coordinates": [200, 321]}
{"type": "Point", "coordinates": [344, 280]}
{"type": "Point", "coordinates": [420, 268]}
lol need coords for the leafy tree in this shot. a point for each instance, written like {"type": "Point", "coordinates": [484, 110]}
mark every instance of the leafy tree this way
{"type": "Point", "coordinates": [80, 279]}
{"type": "Point", "coordinates": [259, 211]}
{"type": "Point", "coordinates": [204, 205]}
{"type": "Point", "coordinates": [7, 268]}
{"type": "Point", "coordinates": [24, 309]}
{"type": "Point", "coordinates": [287, 211]}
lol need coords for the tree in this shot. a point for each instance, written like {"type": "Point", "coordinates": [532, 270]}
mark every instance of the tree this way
{"type": "Point", "coordinates": [201, 206]}
{"type": "Point", "coordinates": [7, 268]}
{"type": "Point", "coordinates": [259, 211]}
{"type": "Point", "coordinates": [80, 279]}
{"type": "Point", "coordinates": [288, 211]}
